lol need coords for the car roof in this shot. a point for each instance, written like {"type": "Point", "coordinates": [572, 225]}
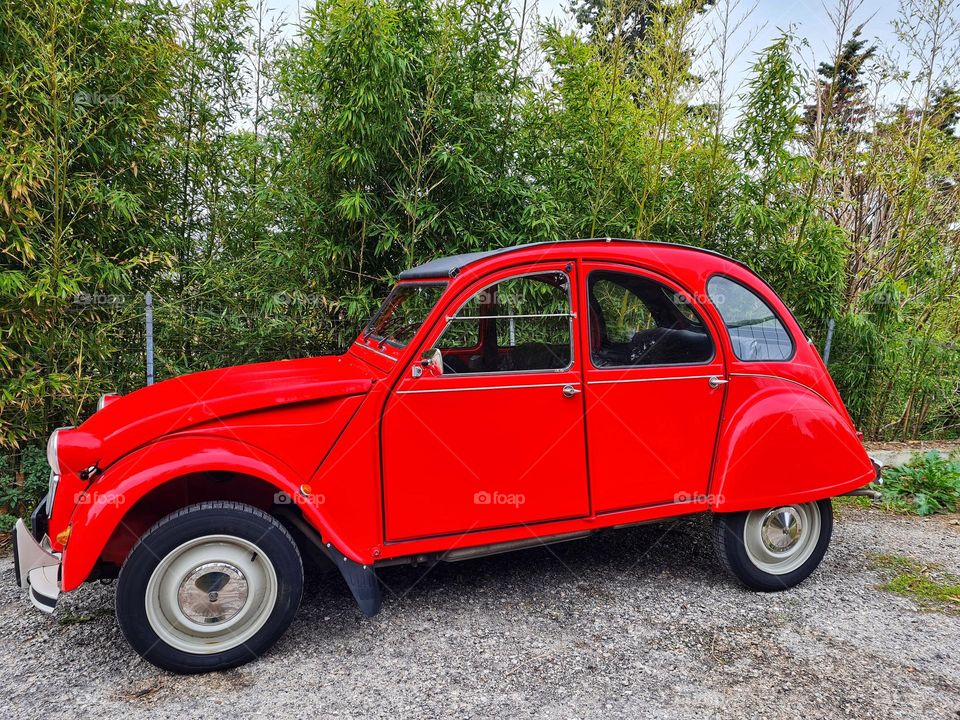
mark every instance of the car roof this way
{"type": "Point", "coordinates": [451, 265]}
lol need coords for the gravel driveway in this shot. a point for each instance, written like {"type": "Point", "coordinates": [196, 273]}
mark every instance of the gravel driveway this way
{"type": "Point", "coordinates": [636, 623]}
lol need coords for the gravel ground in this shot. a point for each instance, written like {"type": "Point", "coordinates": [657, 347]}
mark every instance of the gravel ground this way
{"type": "Point", "coordinates": [636, 623]}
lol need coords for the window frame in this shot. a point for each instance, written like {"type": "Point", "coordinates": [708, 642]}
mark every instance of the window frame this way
{"type": "Point", "coordinates": [446, 319]}
{"type": "Point", "coordinates": [777, 316]}
{"type": "Point", "coordinates": [701, 315]}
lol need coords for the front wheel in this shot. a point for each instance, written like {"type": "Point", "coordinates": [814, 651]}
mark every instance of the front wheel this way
{"type": "Point", "coordinates": [776, 548]}
{"type": "Point", "coordinates": [210, 587]}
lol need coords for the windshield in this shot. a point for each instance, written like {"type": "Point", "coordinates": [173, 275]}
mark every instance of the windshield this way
{"type": "Point", "coordinates": [403, 312]}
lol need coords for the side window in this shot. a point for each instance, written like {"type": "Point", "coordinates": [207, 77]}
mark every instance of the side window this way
{"type": "Point", "coordinates": [462, 335]}
{"type": "Point", "coordinates": [636, 321]}
{"type": "Point", "coordinates": [624, 314]}
{"type": "Point", "coordinates": [756, 332]}
{"type": "Point", "coordinates": [519, 324]}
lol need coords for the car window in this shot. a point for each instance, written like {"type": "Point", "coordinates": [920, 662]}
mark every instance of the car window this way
{"type": "Point", "coordinates": [682, 305]}
{"type": "Point", "coordinates": [623, 313]}
{"type": "Point", "coordinates": [756, 333]}
{"type": "Point", "coordinates": [403, 312]}
{"type": "Point", "coordinates": [637, 321]}
{"type": "Point", "coordinates": [519, 324]}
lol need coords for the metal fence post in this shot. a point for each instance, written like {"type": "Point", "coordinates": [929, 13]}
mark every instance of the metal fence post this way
{"type": "Point", "coordinates": [829, 342]}
{"type": "Point", "coordinates": [149, 302]}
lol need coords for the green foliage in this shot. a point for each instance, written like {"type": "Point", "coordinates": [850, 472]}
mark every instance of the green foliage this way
{"type": "Point", "coordinates": [633, 21]}
{"type": "Point", "coordinates": [82, 89]}
{"type": "Point", "coordinates": [926, 485]}
{"type": "Point", "coordinates": [929, 585]}
{"type": "Point", "coordinates": [23, 481]}
{"type": "Point", "coordinates": [399, 145]}
{"type": "Point", "coordinates": [771, 223]}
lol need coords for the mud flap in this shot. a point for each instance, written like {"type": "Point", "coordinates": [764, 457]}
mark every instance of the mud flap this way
{"type": "Point", "coordinates": [361, 579]}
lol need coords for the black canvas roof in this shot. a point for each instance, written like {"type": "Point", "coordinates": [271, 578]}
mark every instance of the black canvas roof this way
{"type": "Point", "coordinates": [449, 266]}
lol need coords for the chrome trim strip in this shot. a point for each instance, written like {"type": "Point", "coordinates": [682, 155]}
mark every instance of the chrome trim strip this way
{"type": "Point", "coordinates": [636, 380]}
{"type": "Point", "coordinates": [483, 387]}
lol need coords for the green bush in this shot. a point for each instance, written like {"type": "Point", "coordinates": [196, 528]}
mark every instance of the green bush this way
{"type": "Point", "coordinates": [926, 485]}
{"type": "Point", "coordinates": [23, 481]}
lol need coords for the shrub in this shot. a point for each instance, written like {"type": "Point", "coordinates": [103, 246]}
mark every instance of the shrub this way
{"type": "Point", "coordinates": [23, 481]}
{"type": "Point", "coordinates": [927, 484]}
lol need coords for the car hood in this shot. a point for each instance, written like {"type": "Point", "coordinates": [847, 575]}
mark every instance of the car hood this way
{"type": "Point", "coordinates": [183, 402]}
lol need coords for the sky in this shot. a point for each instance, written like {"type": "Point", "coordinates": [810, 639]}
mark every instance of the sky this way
{"type": "Point", "coordinates": [808, 19]}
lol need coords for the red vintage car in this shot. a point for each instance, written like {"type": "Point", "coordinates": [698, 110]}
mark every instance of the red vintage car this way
{"type": "Point", "coordinates": [497, 400]}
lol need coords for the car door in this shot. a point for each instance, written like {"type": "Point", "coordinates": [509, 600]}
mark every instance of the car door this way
{"type": "Point", "coordinates": [489, 432]}
{"type": "Point", "coordinates": [654, 390]}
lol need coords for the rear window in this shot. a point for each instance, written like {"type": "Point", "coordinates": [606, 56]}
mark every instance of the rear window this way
{"type": "Point", "coordinates": [756, 332]}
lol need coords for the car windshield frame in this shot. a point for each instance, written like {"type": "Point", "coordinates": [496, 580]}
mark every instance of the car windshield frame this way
{"type": "Point", "coordinates": [398, 296]}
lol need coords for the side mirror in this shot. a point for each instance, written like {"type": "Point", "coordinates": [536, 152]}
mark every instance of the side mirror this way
{"type": "Point", "coordinates": [431, 361]}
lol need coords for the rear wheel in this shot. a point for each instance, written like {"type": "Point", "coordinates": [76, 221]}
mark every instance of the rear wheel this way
{"type": "Point", "coordinates": [209, 587]}
{"type": "Point", "coordinates": [776, 548]}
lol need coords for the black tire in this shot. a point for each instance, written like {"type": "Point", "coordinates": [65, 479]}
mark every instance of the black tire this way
{"type": "Point", "coordinates": [729, 531]}
{"type": "Point", "coordinates": [249, 527]}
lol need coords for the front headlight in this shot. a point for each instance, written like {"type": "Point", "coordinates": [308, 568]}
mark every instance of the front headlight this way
{"type": "Point", "coordinates": [106, 400]}
{"type": "Point", "coordinates": [52, 460]}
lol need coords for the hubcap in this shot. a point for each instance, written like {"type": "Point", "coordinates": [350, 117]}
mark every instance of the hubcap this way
{"type": "Point", "coordinates": [780, 540]}
{"type": "Point", "coordinates": [211, 594]}
{"type": "Point", "coordinates": [781, 529]}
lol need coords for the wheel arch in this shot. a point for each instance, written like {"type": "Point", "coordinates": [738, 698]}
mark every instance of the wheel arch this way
{"type": "Point", "coordinates": [162, 477]}
{"type": "Point", "coordinates": [782, 442]}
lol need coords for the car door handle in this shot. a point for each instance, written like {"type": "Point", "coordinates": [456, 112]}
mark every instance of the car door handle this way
{"type": "Point", "coordinates": [569, 391]}
{"type": "Point", "coordinates": [716, 382]}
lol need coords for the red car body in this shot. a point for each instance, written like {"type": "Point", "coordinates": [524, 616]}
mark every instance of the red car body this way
{"type": "Point", "coordinates": [386, 461]}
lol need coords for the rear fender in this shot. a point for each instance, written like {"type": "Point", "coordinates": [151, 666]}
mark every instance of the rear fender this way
{"type": "Point", "coordinates": [781, 442]}
{"type": "Point", "coordinates": [105, 503]}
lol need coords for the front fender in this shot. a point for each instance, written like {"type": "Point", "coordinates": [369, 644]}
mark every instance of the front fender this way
{"type": "Point", "coordinates": [105, 503]}
{"type": "Point", "coordinates": [781, 442]}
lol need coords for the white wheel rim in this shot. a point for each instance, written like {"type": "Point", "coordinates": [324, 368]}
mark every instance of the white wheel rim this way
{"type": "Point", "coordinates": [211, 594]}
{"type": "Point", "coordinates": [781, 539]}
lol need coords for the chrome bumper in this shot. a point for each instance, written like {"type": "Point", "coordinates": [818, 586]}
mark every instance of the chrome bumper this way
{"type": "Point", "coordinates": [37, 568]}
